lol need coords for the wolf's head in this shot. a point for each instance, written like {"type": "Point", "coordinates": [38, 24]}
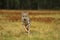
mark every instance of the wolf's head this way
{"type": "Point", "coordinates": [24, 14]}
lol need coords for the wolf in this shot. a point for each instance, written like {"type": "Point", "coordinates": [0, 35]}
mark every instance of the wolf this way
{"type": "Point", "coordinates": [26, 21]}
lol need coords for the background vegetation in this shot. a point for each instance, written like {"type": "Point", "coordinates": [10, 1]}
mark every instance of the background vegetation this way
{"type": "Point", "coordinates": [30, 4]}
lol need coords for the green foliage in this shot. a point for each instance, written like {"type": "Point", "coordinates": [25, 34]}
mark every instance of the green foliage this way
{"type": "Point", "coordinates": [30, 4]}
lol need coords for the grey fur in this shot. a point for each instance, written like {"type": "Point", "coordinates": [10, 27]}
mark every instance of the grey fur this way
{"type": "Point", "coordinates": [26, 21]}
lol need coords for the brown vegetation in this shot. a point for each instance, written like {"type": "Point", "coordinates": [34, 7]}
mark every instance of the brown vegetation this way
{"type": "Point", "coordinates": [15, 15]}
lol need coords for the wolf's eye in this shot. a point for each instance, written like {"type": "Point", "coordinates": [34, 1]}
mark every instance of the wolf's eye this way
{"type": "Point", "coordinates": [23, 16]}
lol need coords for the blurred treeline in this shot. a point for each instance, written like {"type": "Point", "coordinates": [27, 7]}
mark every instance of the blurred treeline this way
{"type": "Point", "coordinates": [30, 4]}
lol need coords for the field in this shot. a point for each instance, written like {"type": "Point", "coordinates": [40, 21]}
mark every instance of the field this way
{"type": "Point", "coordinates": [45, 25]}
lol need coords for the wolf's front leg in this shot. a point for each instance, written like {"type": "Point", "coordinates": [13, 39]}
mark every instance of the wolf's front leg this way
{"type": "Point", "coordinates": [28, 28]}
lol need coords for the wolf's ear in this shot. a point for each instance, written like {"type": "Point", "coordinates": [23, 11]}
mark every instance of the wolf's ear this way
{"type": "Point", "coordinates": [25, 13]}
{"type": "Point", "coordinates": [22, 13]}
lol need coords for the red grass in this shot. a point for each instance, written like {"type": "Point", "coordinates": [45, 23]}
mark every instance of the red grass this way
{"type": "Point", "coordinates": [18, 12]}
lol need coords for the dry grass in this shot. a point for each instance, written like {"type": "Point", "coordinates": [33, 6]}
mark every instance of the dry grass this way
{"type": "Point", "coordinates": [39, 30]}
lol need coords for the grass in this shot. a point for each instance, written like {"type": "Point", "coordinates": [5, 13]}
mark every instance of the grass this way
{"type": "Point", "coordinates": [39, 30]}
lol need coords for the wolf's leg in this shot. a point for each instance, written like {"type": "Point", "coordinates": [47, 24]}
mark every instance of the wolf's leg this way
{"type": "Point", "coordinates": [28, 28]}
{"type": "Point", "coordinates": [25, 28]}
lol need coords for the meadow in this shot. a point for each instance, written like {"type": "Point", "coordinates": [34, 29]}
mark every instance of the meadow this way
{"type": "Point", "coordinates": [45, 25]}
